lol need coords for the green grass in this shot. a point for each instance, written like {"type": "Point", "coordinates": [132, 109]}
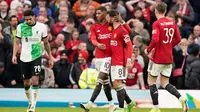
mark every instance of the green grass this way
{"type": "Point", "coordinates": [4, 109]}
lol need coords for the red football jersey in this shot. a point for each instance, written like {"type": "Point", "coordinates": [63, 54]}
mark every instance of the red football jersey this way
{"type": "Point", "coordinates": [165, 36]}
{"type": "Point", "coordinates": [101, 34]}
{"type": "Point", "coordinates": [119, 53]}
{"type": "Point", "coordinates": [133, 74]}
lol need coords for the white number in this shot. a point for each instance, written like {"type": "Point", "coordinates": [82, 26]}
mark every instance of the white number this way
{"type": "Point", "coordinates": [169, 33]}
{"type": "Point", "coordinates": [37, 68]}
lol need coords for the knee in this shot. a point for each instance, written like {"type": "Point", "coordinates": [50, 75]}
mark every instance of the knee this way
{"type": "Point", "coordinates": [164, 84]}
{"type": "Point", "coordinates": [103, 76]}
{"type": "Point", "coordinates": [27, 83]}
{"type": "Point", "coordinates": [35, 80]}
{"type": "Point", "coordinates": [117, 83]}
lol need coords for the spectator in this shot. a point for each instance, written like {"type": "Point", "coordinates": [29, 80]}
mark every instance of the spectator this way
{"type": "Point", "coordinates": [81, 6]}
{"type": "Point", "coordinates": [117, 6]}
{"type": "Point", "coordinates": [58, 27]}
{"type": "Point", "coordinates": [88, 78]}
{"type": "Point", "coordinates": [48, 19]}
{"type": "Point", "coordinates": [67, 30]}
{"type": "Point", "coordinates": [79, 67]}
{"type": "Point", "coordinates": [135, 76]}
{"type": "Point", "coordinates": [137, 57]}
{"type": "Point", "coordinates": [192, 79]}
{"type": "Point", "coordinates": [146, 11]}
{"type": "Point", "coordinates": [59, 41]}
{"type": "Point", "coordinates": [196, 32]}
{"type": "Point", "coordinates": [5, 46]}
{"type": "Point", "coordinates": [72, 45]}
{"type": "Point", "coordinates": [14, 71]}
{"type": "Point", "coordinates": [3, 79]}
{"type": "Point", "coordinates": [179, 53]}
{"type": "Point", "coordinates": [10, 31]}
{"type": "Point", "coordinates": [3, 10]}
{"type": "Point", "coordinates": [41, 3]}
{"type": "Point", "coordinates": [62, 70]}
{"type": "Point", "coordinates": [56, 4]}
{"type": "Point", "coordinates": [27, 5]}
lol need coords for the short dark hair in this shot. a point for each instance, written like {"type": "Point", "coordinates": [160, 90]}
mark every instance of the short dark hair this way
{"type": "Point", "coordinates": [102, 8]}
{"type": "Point", "coordinates": [193, 49]}
{"type": "Point", "coordinates": [29, 13]}
{"type": "Point", "coordinates": [114, 1]}
{"type": "Point", "coordinates": [137, 8]}
{"type": "Point", "coordinates": [113, 13]}
{"type": "Point", "coordinates": [10, 18]}
{"type": "Point", "coordinates": [161, 8]}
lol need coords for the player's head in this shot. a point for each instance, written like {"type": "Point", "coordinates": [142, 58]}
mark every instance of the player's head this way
{"type": "Point", "coordinates": [29, 17]}
{"type": "Point", "coordinates": [161, 9]}
{"type": "Point", "coordinates": [101, 13]}
{"type": "Point", "coordinates": [113, 16]}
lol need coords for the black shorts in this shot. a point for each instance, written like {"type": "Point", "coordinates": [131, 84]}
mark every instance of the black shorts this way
{"type": "Point", "coordinates": [30, 69]}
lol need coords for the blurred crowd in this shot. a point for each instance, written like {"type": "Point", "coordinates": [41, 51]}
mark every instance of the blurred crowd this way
{"type": "Point", "coordinates": [69, 23]}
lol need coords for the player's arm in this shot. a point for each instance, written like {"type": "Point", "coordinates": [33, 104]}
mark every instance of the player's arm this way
{"type": "Point", "coordinates": [93, 38]}
{"type": "Point", "coordinates": [177, 37]}
{"type": "Point", "coordinates": [16, 44]}
{"type": "Point", "coordinates": [155, 37]}
{"type": "Point", "coordinates": [47, 46]}
{"type": "Point", "coordinates": [127, 28]}
{"type": "Point", "coordinates": [129, 48]}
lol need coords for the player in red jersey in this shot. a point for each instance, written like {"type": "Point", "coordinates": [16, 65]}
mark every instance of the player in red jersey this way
{"type": "Point", "coordinates": [165, 36]}
{"type": "Point", "coordinates": [100, 34]}
{"type": "Point", "coordinates": [121, 58]}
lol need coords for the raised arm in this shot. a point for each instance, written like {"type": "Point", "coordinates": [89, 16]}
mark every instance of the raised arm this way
{"type": "Point", "coordinates": [130, 3]}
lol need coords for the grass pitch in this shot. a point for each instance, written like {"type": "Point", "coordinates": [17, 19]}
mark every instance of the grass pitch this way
{"type": "Point", "coordinates": [7, 109]}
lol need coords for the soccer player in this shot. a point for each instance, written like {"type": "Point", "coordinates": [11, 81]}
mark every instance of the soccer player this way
{"type": "Point", "coordinates": [31, 33]}
{"type": "Point", "coordinates": [121, 59]}
{"type": "Point", "coordinates": [165, 36]}
{"type": "Point", "coordinates": [100, 34]}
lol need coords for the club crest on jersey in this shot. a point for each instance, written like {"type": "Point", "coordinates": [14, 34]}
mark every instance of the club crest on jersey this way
{"type": "Point", "coordinates": [115, 35]}
{"type": "Point", "coordinates": [110, 28]}
{"type": "Point", "coordinates": [154, 31]}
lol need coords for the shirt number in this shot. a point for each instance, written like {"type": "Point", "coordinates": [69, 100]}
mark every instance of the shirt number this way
{"type": "Point", "coordinates": [169, 33]}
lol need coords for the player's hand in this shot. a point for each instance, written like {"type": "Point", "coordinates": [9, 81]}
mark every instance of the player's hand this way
{"type": "Point", "coordinates": [13, 82]}
{"type": "Point", "coordinates": [101, 46]}
{"type": "Point", "coordinates": [145, 52]}
{"type": "Point", "coordinates": [51, 63]}
{"type": "Point", "coordinates": [14, 60]}
{"type": "Point", "coordinates": [129, 64]}
{"type": "Point", "coordinates": [75, 86]}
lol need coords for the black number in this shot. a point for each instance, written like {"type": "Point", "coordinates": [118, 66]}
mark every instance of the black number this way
{"type": "Point", "coordinates": [120, 71]}
{"type": "Point", "coordinates": [107, 65]}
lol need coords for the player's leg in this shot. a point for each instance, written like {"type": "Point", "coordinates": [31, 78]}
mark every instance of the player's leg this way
{"type": "Point", "coordinates": [153, 72]}
{"type": "Point", "coordinates": [165, 74]}
{"type": "Point", "coordinates": [25, 68]}
{"type": "Point", "coordinates": [35, 71]}
{"type": "Point", "coordinates": [102, 80]}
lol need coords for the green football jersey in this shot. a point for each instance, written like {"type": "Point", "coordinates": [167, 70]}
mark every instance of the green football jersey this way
{"type": "Point", "coordinates": [31, 38]}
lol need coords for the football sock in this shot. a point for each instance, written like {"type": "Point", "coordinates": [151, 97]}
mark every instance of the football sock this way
{"type": "Point", "coordinates": [28, 94]}
{"type": "Point", "coordinates": [97, 90]}
{"type": "Point", "coordinates": [127, 99]}
{"type": "Point", "coordinates": [107, 90]}
{"type": "Point", "coordinates": [35, 89]}
{"type": "Point", "coordinates": [171, 89]}
{"type": "Point", "coordinates": [154, 94]}
{"type": "Point", "coordinates": [121, 96]}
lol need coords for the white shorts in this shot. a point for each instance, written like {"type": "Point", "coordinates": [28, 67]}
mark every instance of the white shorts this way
{"type": "Point", "coordinates": [103, 64]}
{"type": "Point", "coordinates": [163, 69]}
{"type": "Point", "coordinates": [118, 73]}
{"type": "Point", "coordinates": [150, 66]}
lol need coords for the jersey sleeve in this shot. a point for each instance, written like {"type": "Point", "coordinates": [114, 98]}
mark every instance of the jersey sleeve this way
{"type": "Point", "coordinates": [128, 43]}
{"type": "Point", "coordinates": [127, 28]}
{"type": "Point", "coordinates": [18, 31]}
{"type": "Point", "coordinates": [44, 33]}
{"type": "Point", "coordinates": [155, 37]}
{"type": "Point", "coordinates": [177, 37]}
{"type": "Point", "coordinates": [93, 36]}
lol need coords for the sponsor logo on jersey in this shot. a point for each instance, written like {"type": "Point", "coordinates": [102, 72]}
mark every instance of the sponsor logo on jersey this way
{"type": "Point", "coordinates": [127, 38]}
{"type": "Point", "coordinates": [104, 36]}
{"type": "Point", "coordinates": [113, 42]}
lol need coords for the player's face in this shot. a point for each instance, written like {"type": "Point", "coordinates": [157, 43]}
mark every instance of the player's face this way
{"type": "Point", "coordinates": [100, 15]}
{"type": "Point", "coordinates": [30, 20]}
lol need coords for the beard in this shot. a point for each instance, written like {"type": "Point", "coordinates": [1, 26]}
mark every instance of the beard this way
{"type": "Point", "coordinates": [63, 61]}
